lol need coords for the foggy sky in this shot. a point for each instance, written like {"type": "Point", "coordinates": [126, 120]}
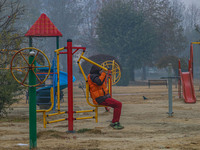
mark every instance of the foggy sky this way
{"type": "Point", "coordinates": [188, 2]}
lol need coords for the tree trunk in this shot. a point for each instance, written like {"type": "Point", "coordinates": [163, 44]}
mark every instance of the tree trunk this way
{"type": "Point", "coordinates": [132, 73]}
{"type": "Point", "coordinates": [144, 73]}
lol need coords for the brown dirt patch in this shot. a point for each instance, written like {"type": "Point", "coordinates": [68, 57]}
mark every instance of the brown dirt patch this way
{"type": "Point", "coordinates": [147, 125]}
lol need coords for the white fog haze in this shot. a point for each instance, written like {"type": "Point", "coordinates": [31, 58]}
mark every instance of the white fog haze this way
{"type": "Point", "coordinates": [100, 74]}
{"type": "Point", "coordinates": [188, 2]}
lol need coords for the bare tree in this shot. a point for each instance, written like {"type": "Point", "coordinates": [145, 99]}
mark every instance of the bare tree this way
{"type": "Point", "coordinates": [10, 12]}
{"type": "Point", "coordinates": [10, 38]}
{"type": "Point", "coordinates": [10, 35]}
{"type": "Point", "coordinates": [191, 17]}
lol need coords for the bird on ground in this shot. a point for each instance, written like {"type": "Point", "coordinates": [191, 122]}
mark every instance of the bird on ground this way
{"type": "Point", "coordinates": [145, 98]}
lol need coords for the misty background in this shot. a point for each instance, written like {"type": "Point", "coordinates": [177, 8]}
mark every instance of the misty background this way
{"type": "Point", "coordinates": [143, 35]}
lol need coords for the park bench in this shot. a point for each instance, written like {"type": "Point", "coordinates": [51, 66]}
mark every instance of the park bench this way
{"type": "Point", "coordinates": [157, 82]}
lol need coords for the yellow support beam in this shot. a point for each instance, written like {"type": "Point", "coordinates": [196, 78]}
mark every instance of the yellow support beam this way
{"type": "Point", "coordinates": [58, 82]}
{"type": "Point", "coordinates": [81, 118]}
{"type": "Point", "coordinates": [48, 122]}
{"type": "Point", "coordinates": [44, 119]}
{"type": "Point", "coordinates": [54, 114]}
{"type": "Point", "coordinates": [80, 57]}
{"type": "Point", "coordinates": [195, 42]}
{"type": "Point", "coordinates": [82, 111]}
{"type": "Point", "coordinates": [82, 71]}
{"type": "Point", "coordinates": [92, 62]}
{"type": "Point", "coordinates": [96, 114]}
{"type": "Point", "coordinates": [60, 49]}
{"type": "Point", "coordinates": [85, 118]}
{"type": "Point", "coordinates": [113, 72]}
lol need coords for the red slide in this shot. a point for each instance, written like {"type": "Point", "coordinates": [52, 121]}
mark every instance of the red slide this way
{"type": "Point", "coordinates": [188, 88]}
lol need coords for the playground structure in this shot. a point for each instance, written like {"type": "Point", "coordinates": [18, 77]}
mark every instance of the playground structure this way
{"type": "Point", "coordinates": [70, 85]}
{"type": "Point", "coordinates": [43, 27]}
{"type": "Point", "coordinates": [187, 79]}
{"type": "Point", "coordinates": [114, 74]}
{"type": "Point", "coordinates": [32, 69]}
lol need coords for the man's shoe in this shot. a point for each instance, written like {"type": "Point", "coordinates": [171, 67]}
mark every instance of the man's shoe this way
{"type": "Point", "coordinates": [116, 125]}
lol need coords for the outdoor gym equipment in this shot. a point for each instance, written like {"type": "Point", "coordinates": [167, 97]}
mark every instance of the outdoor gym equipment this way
{"type": "Point", "coordinates": [169, 78]}
{"type": "Point", "coordinates": [70, 89]}
{"type": "Point", "coordinates": [114, 67]}
{"type": "Point", "coordinates": [41, 28]}
{"type": "Point", "coordinates": [30, 66]}
{"type": "Point", "coordinates": [31, 73]}
{"type": "Point", "coordinates": [116, 73]}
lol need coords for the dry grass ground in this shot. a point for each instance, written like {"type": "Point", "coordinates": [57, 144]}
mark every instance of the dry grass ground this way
{"type": "Point", "coordinates": [147, 125]}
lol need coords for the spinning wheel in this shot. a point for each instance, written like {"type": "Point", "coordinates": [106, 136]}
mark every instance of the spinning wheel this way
{"type": "Point", "coordinates": [115, 69]}
{"type": "Point", "coordinates": [20, 71]}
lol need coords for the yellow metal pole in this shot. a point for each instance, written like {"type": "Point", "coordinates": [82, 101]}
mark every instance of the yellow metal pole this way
{"type": "Point", "coordinates": [109, 88]}
{"type": "Point", "coordinates": [58, 83]}
{"type": "Point", "coordinates": [56, 120]}
{"type": "Point", "coordinates": [82, 71]}
{"type": "Point", "coordinates": [54, 114]}
{"type": "Point", "coordinates": [96, 114]}
{"type": "Point", "coordinates": [195, 42]}
{"type": "Point", "coordinates": [92, 62]}
{"type": "Point", "coordinates": [85, 118]}
{"type": "Point", "coordinates": [80, 57]}
{"type": "Point", "coordinates": [44, 119]}
{"type": "Point", "coordinates": [82, 111]}
{"type": "Point", "coordinates": [60, 49]}
{"type": "Point", "coordinates": [113, 72]}
{"type": "Point", "coordinates": [110, 82]}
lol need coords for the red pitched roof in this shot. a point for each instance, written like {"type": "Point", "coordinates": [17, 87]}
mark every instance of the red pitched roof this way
{"type": "Point", "coordinates": [43, 27]}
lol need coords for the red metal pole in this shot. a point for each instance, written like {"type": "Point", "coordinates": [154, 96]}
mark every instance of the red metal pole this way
{"type": "Point", "coordinates": [70, 85]}
{"type": "Point", "coordinates": [179, 79]}
{"type": "Point", "coordinates": [110, 81]}
{"type": "Point", "coordinates": [191, 57]}
{"type": "Point", "coordinates": [189, 65]}
{"type": "Point", "coordinates": [109, 86]}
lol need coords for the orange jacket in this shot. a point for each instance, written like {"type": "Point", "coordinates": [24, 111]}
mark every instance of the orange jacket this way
{"type": "Point", "coordinates": [98, 88]}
